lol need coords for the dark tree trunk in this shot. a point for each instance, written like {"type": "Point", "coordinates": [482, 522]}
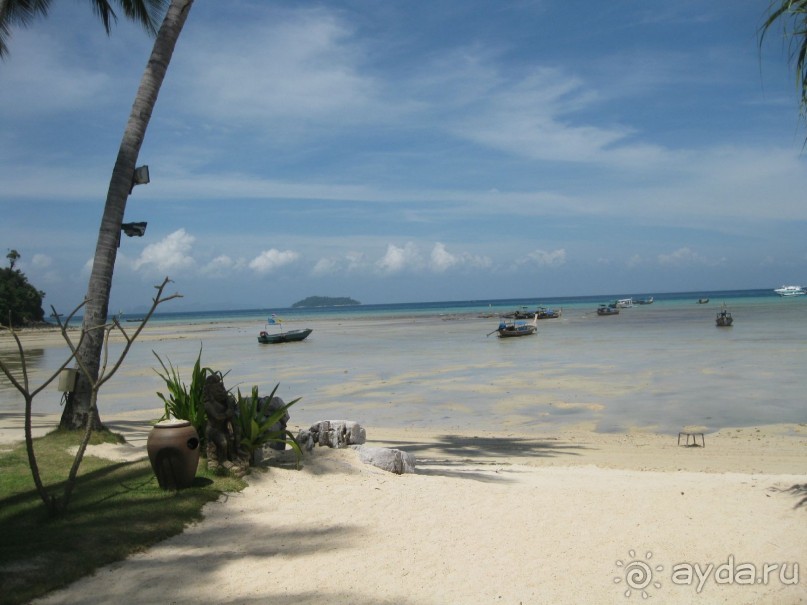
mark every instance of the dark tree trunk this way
{"type": "Point", "coordinates": [77, 408]}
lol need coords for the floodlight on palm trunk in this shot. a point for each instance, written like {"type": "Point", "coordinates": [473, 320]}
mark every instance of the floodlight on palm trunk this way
{"type": "Point", "coordinates": [140, 177]}
{"type": "Point", "coordinates": [134, 229]}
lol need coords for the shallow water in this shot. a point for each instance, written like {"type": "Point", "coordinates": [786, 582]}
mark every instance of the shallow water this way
{"type": "Point", "coordinates": [660, 367]}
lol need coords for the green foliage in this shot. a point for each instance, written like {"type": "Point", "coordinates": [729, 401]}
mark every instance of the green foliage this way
{"type": "Point", "coordinates": [257, 423]}
{"type": "Point", "coordinates": [182, 401]}
{"type": "Point", "coordinates": [19, 299]}
{"type": "Point", "coordinates": [12, 256]}
{"type": "Point", "coordinates": [255, 418]}
{"type": "Point", "coordinates": [119, 510]}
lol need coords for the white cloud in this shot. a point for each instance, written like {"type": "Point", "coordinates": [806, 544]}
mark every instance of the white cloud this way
{"type": "Point", "coordinates": [41, 261]}
{"type": "Point", "coordinates": [355, 260]}
{"type": "Point", "coordinates": [325, 266]}
{"type": "Point", "coordinates": [542, 258]}
{"type": "Point", "coordinates": [349, 262]}
{"type": "Point", "coordinates": [297, 66]}
{"type": "Point", "coordinates": [443, 260]}
{"type": "Point", "coordinates": [44, 78]}
{"type": "Point", "coordinates": [634, 261]}
{"type": "Point", "coordinates": [170, 254]}
{"type": "Point", "coordinates": [681, 257]}
{"type": "Point", "coordinates": [269, 260]}
{"type": "Point", "coordinates": [397, 259]}
{"type": "Point", "coordinates": [218, 266]}
{"type": "Point", "coordinates": [539, 116]}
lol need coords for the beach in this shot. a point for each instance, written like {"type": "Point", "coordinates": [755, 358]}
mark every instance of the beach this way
{"type": "Point", "coordinates": [548, 474]}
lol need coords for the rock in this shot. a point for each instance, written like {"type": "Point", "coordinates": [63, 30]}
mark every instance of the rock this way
{"type": "Point", "coordinates": [323, 430]}
{"type": "Point", "coordinates": [356, 435]}
{"type": "Point", "coordinates": [332, 433]}
{"type": "Point", "coordinates": [388, 459]}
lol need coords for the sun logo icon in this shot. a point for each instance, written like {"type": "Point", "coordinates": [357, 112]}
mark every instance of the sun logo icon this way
{"type": "Point", "coordinates": [638, 574]}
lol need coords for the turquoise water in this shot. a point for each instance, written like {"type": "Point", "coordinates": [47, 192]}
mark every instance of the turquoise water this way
{"type": "Point", "coordinates": [659, 367]}
{"type": "Point", "coordinates": [420, 309]}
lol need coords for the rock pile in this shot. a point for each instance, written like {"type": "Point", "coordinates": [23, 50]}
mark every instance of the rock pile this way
{"type": "Point", "coordinates": [332, 433]}
{"type": "Point", "coordinates": [347, 433]}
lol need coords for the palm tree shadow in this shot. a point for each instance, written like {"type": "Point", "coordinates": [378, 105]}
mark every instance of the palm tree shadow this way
{"type": "Point", "coordinates": [799, 491]}
{"type": "Point", "coordinates": [465, 457]}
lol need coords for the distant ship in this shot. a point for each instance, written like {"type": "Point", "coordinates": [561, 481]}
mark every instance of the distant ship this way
{"type": "Point", "coordinates": [790, 291]}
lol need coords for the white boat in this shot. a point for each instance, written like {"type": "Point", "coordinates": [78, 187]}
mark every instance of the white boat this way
{"type": "Point", "coordinates": [790, 291]}
{"type": "Point", "coordinates": [624, 303]}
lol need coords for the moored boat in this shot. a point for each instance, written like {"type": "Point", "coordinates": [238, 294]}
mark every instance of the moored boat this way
{"type": "Point", "coordinates": [545, 313]}
{"type": "Point", "coordinates": [604, 309]}
{"type": "Point", "coordinates": [291, 336]}
{"type": "Point", "coordinates": [790, 291]}
{"type": "Point", "coordinates": [510, 329]}
{"type": "Point", "coordinates": [644, 301]}
{"type": "Point", "coordinates": [724, 318]}
{"type": "Point", "coordinates": [271, 338]}
{"type": "Point", "coordinates": [539, 313]}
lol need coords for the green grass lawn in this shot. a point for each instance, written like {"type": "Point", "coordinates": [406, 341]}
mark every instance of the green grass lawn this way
{"type": "Point", "coordinates": [116, 509]}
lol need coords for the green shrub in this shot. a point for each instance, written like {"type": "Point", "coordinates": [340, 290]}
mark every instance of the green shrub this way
{"type": "Point", "coordinates": [257, 422]}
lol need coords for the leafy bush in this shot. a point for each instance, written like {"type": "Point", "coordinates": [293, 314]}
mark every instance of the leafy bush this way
{"type": "Point", "coordinates": [259, 422]}
{"type": "Point", "coordinates": [19, 300]}
{"type": "Point", "coordinates": [182, 401]}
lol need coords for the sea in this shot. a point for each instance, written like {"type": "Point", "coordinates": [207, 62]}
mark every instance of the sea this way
{"type": "Point", "coordinates": [662, 367]}
{"type": "Point", "coordinates": [422, 309]}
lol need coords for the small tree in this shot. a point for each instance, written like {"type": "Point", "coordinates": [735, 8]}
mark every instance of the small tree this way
{"type": "Point", "coordinates": [12, 257]}
{"type": "Point", "coordinates": [20, 302]}
{"type": "Point", "coordinates": [58, 505]}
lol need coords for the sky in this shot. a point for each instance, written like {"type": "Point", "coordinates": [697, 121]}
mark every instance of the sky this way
{"type": "Point", "coordinates": [411, 150]}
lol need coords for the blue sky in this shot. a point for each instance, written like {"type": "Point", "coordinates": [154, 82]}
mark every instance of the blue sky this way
{"type": "Point", "coordinates": [412, 151]}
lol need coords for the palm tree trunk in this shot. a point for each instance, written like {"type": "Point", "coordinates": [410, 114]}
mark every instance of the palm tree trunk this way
{"type": "Point", "coordinates": [77, 409]}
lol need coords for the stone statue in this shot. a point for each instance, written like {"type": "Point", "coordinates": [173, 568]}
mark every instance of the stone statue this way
{"type": "Point", "coordinates": [223, 431]}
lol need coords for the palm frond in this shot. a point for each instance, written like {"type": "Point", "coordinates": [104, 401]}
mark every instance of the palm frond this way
{"type": "Point", "coordinates": [146, 13]}
{"type": "Point", "coordinates": [792, 16]}
{"type": "Point", "coordinates": [19, 13]}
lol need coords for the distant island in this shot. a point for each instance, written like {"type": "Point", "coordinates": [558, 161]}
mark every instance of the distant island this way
{"type": "Point", "coordinates": [325, 301]}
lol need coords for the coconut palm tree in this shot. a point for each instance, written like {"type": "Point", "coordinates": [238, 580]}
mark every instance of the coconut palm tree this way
{"type": "Point", "coordinates": [792, 16]}
{"type": "Point", "coordinates": [146, 12]}
{"type": "Point", "coordinates": [77, 412]}
{"type": "Point", "coordinates": [21, 13]}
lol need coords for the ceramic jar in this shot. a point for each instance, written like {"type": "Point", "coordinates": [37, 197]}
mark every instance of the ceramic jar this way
{"type": "Point", "coordinates": [173, 449]}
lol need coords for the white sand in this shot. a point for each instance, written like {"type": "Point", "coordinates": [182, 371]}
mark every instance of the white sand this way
{"type": "Point", "coordinates": [489, 518]}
